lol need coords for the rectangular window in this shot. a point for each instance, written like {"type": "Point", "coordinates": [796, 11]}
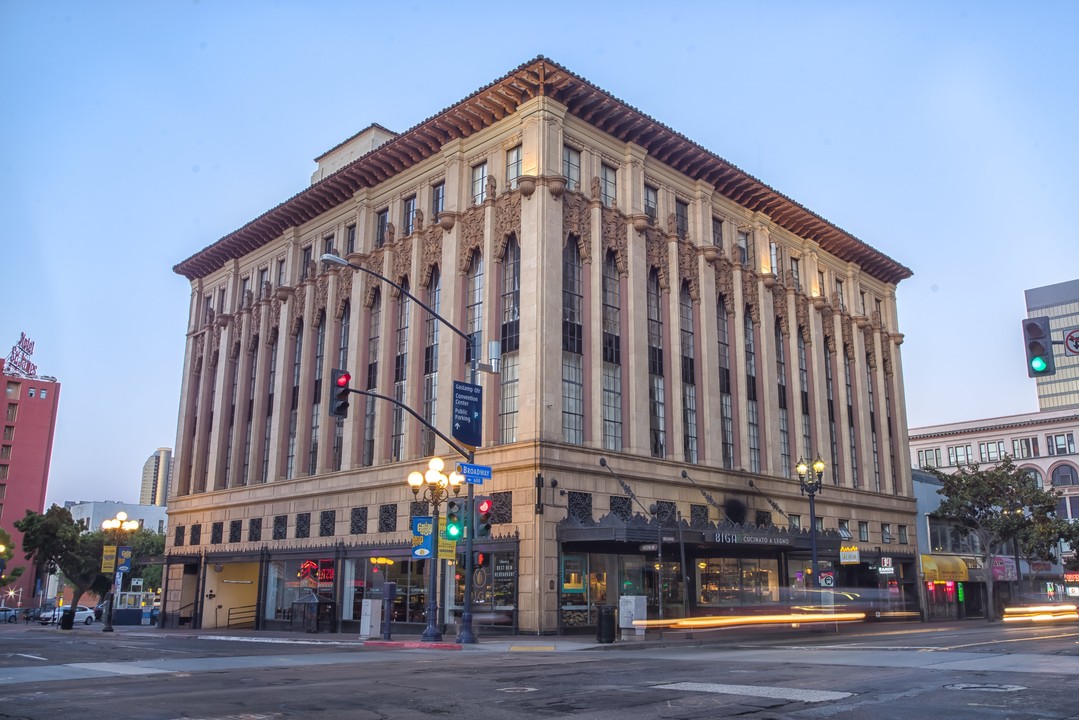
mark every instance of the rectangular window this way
{"type": "Point", "coordinates": [408, 216]}
{"type": "Point", "coordinates": [960, 455]}
{"type": "Point", "coordinates": [681, 219]}
{"type": "Point", "coordinates": [571, 167]}
{"type": "Point", "coordinates": [382, 225]}
{"type": "Point", "coordinates": [903, 539]}
{"type": "Point", "coordinates": [886, 533]}
{"type": "Point", "coordinates": [717, 232]}
{"type": "Point", "coordinates": [839, 294]}
{"type": "Point", "coordinates": [438, 200]}
{"type": "Point", "coordinates": [774, 258]}
{"type": "Point", "coordinates": [327, 246]}
{"type": "Point", "coordinates": [608, 185]}
{"type": "Point", "coordinates": [350, 239]}
{"type": "Point", "coordinates": [795, 274]}
{"type": "Point", "coordinates": [844, 530]}
{"type": "Point", "coordinates": [479, 183]}
{"type": "Point", "coordinates": [742, 247]}
{"type": "Point", "coordinates": [863, 531]}
{"type": "Point", "coordinates": [821, 287]}
{"type": "Point", "coordinates": [796, 522]}
{"type": "Point", "coordinates": [9, 432]}
{"type": "Point", "coordinates": [264, 280]}
{"type": "Point", "coordinates": [513, 167]}
{"type": "Point", "coordinates": [306, 255]}
{"type": "Point", "coordinates": [651, 203]}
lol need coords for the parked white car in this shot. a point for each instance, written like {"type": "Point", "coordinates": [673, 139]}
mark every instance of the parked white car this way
{"type": "Point", "coordinates": [83, 614]}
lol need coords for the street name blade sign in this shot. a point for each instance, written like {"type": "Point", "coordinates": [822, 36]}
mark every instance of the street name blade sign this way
{"type": "Point", "coordinates": [467, 413]}
{"type": "Point", "coordinates": [474, 474]}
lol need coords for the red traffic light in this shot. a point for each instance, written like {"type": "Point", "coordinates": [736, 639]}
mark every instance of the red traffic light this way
{"type": "Point", "coordinates": [484, 505]}
{"type": "Point", "coordinates": [343, 379]}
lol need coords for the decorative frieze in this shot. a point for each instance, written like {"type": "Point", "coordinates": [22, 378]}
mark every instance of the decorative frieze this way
{"type": "Point", "coordinates": [576, 217]}
{"type": "Point", "coordinates": [430, 253]}
{"type": "Point", "coordinates": [471, 237]}
{"type": "Point", "coordinates": [400, 262]}
{"type": "Point", "coordinates": [688, 268]}
{"type": "Point", "coordinates": [507, 221]}
{"type": "Point", "coordinates": [655, 244]}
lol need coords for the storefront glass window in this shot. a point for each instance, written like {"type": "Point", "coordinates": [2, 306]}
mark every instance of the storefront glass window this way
{"type": "Point", "coordinates": [289, 580]}
{"type": "Point", "coordinates": [735, 582]}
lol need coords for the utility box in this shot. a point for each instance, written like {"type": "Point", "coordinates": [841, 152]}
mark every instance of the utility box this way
{"type": "Point", "coordinates": [630, 608]}
{"type": "Point", "coordinates": [370, 618]}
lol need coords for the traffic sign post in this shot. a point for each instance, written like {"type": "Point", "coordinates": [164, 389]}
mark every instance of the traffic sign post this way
{"type": "Point", "coordinates": [1071, 342]}
{"type": "Point", "coordinates": [467, 413]}
{"type": "Point", "coordinates": [474, 474]}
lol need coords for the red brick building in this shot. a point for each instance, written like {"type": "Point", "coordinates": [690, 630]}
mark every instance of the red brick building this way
{"type": "Point", "coordinates": [29, 422]}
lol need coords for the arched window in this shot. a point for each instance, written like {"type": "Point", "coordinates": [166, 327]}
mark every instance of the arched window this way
{"type": "Point", "coordinates": [572, 346]}
{"type": "Point", "coordinates": [510, 335]}
{"type": "Point", "coordinates": [753, 422]}
{"type": "Point", "coordinates": [689, 382]}
{"type": "Point", "coordinates": [294, 404]}
{"type": "Point", "coordinates": [726, 411]}
{"type": "Point", "coordinates": [400, 375]}
{"type": "Point", "coordinates": [374, 320]}
{"type": "Point", "coordinates": [781, 386]}
{"type": "Point", "coordinates": [612, 355]}
{"type": "Point", "coordinates": [1064, 475]}
{"type": "Point", "coordinates": [657, 421]}
{"type": "Point", "coordinates": [430, 361]}
{"type": "Point", "coordinates": [316, 401]}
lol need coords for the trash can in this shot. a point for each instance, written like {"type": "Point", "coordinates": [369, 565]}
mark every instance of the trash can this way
{"type": "Point", "coordinates": [605, 624]}
{"type": "Point", "coordinates": [67, 620]}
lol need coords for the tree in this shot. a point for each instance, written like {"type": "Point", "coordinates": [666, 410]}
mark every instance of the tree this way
{"type": "Point", "coordinates": [995, 505]}
{"type": "Point", "coordinates": [146, 544]}
{"type": "Point", "coordinates": [57, 543]}
{"type": "Point", "coordinates": [8, 575]}
{"type": "Point", "coordinates": [1039, 540]}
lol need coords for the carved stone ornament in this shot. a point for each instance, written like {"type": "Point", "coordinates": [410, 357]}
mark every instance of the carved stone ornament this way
{"type": "Point", "coordinates": [275, 317]}
{"type": "Point", "coordinates": [215, 343]}
{"type": "Point", "coordinates": [507, 221]}
{"type": "Point", "coordinates": [200, 347]}
{"type": "Point", "coordinates": [724, 270]}
{"type": "Point", "coordinates": [491, 189]}
{"type": "Point", "coordinates": [446, 220]}
{"type": "Point", "coordinates": [417, 221]}
{"type": "Point", "coordinates": [556, 185]}
{"type": "Point", "coordinates": [471, 237]}
{"type": "Point", "coordinates": [400, 262]}
{"type": "Point", "coordinates": [235, 351]}
{"type": "Point", "coordinates": [886, 356]}
{"type": "Point", "coordinates": [372, 262]}
{"type": "Point", "coordinates": [430, 253]}
{"type": "Point", "coordinates": [828, 325]}
{"type": "Point", "coordinates": [527, 185]}
{"type": "Point", "coordinates": [848, 336]}
{"type": "Point", "coordinates": [801, 312]}
{"type": "Point", "coordinates": [672, 224]}
{"type": "Point", "coordinates": [687, 268]}
{"type": "Point", "coordinates": [267, 290]}
{"type": "Point", "coordinates": [344, 291]}
{"type": "Point", "coordinates": [296, 311]}
{"type": "Point", "coordinates": [750, 293]}
{"type": "Point", "coordinates": [391, 232]}
{"type": "Point", "coordinates": [640, 222]}
{"type": "Point", "coordinates": [595, 189]}
{"type": "Point", "coordinates": [576, 216]}
{"type": "Point", "coordinates": [870, 346]}
{"type": "Point", "coordinates": [255, 327]}
{"type": "Point", "coordinates": [619, 245]}
{"type": "Point", "coordinates": [222, 319]}
{"type": "Point", "coordinates": [322, 292]}
{"type": "Point", "coordinates": [779, 307]}
{"type": "Point", "coordinates": [613, 232]}
{"type": "Point", "coordinates": [655, 245]}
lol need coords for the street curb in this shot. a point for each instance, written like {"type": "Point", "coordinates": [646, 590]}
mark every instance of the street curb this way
{"type": "Point", "coordinates": [410, 645]}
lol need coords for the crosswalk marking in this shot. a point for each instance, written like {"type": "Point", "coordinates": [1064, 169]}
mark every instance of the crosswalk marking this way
{"type": "Point", "coordinates": [781, 693]}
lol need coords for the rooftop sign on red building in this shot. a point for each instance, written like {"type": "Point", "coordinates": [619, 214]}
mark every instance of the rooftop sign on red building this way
{"type": "Point", "coordinates": [18, 361]}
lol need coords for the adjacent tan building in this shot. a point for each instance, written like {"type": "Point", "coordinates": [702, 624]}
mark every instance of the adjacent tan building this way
{"type": "Point", "coordinates": [635, 298]}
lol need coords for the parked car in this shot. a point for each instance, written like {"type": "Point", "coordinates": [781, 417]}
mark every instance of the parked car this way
{"type": "Point", "coordinates": [8, 614]}
{"type": "Point", "coordinates": [83, 614]}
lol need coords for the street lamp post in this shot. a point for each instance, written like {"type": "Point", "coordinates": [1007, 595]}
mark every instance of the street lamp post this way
{"type": "Point", "coordinates": [811, 484]}
{"type": "Point", "coordinates": [118, 525]}
{"type": "Point", "coordinates": [465, 635]}
{"type": "Point", "coordinates": [436, 487]}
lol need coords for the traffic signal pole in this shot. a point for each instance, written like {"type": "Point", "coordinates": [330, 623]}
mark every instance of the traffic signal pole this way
{"type": "Point", "coordinates": [465, 635]}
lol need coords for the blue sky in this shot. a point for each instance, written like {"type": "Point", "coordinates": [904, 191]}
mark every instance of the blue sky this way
{"type": "Point", "coordinates": [134, 134]}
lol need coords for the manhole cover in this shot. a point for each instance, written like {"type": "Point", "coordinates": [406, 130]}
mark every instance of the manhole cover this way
{"type": "Point", "coordinates": [985, 687]}
{"type": "Point", "coordinates": [517, 689]}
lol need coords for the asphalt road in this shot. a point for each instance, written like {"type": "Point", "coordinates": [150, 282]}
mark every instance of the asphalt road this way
{"type": "Point", "coordinates": [973, 670]}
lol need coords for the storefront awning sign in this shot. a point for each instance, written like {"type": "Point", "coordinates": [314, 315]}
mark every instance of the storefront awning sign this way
{"type": "Point", "coordinates": [850, 555]}
{"type": "Point", "coordinates": [737, 538]}
{"type": "Point", "coordinates": [1004, 569]}
{"type": "Point", "coordinates": [423, 536]}
{"type": "Point", "coordinates": [942, 568]}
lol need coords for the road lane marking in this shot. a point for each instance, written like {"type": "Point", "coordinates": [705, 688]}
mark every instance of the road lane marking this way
{"type": "Point", "coordinates": [117, 668]}
{"type": "Point", "coordinates": [781, 693]}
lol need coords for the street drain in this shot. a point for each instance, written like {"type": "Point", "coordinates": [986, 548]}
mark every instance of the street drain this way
{"type": "Point", "coordinates": [985, 687]}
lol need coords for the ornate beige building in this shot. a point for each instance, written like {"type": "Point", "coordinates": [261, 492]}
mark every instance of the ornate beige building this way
{"type": "Point", "coordinates": [634, 297]}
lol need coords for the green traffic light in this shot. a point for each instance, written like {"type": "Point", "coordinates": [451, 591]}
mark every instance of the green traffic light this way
{"type": "Point", "coordinates": [453, 530]}
{"type": "Point", "coordinates": [1038, 363]}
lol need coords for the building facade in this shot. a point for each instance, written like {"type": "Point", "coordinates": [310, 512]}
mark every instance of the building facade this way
{"type": "Point", "coordinates": [1041, 443]}
{"type": "Point", "coordinates": [156, 472]}
{"type": "Point", "coordinates": [31, 402]}
{"type": "Point", "coordinates": [1060, 303]}
{"type": "Point", "coordinates": [634, 299]}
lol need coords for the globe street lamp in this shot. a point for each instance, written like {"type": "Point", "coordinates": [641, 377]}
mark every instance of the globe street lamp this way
{"type": "Point", "coordinates": [436, 487]}
{"type": "Point", "coordinates": [811, 484]}
{"type": "Point", "coordinates": [118, 525]}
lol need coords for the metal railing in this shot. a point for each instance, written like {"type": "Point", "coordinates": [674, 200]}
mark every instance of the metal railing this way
{"type": "Point", "coordinates": [241, 617]}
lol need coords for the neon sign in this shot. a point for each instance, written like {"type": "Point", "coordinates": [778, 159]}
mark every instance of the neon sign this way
{"type": "Point", "coordinates": [19, 359]}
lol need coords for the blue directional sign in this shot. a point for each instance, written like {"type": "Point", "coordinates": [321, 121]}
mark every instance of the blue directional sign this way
{"type": "Point", "coordinates": [467, 413]}
{"type": "Point", "coordinates": [474, 474]}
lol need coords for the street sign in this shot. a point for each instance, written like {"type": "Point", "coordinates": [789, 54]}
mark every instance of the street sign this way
{"type": "Point", "coordinates": [467, 413]}
{"type": "Point", "coordinates": [474, 474]}
{"type": "Point", "coordinates": [649, 547]}
{"type": "Point", "coordinates": [1071, 341]}
{"type": "Point", "coordinates": [827, 580]}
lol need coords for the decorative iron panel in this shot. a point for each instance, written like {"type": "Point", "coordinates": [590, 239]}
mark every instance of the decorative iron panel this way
{"type": "Point", "coordinates": [698, 516]}
{"type": "Point", "coordinates": [196, 534]}
{"type": "Point", "coordinates": [327, 523]}
{"type": "Point", "coordinates": [387, 518]}
{"type": "Point", "coordinates": [621, 507]}
{"type": "Point", "coordinates": [254, 529]}
{"type": "Point", "coordinates": [580, 506]}
{"type": "Point", "coordinates": [358, 521]}
{"type": "Point", "coordinates": [280, 527]}
{"type": "Point", "coordinates": [217, 531]}
{"type": "Point", "coordinates": [235, 530]}
{"type": "Point", "coordinates": [303, 525]}
{"type": "Point", "coordinates": [178, 536]}
{"type": "Point", "coordinates": [502, 512]}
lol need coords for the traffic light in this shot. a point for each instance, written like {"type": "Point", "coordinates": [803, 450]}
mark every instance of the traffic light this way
{"type": "Point", "coordinates": [1038, 339]}
{"type": "Point", "coordinates": [454, 521]}
{"type": "Point", "coordinates": [339, 392]}
{"type": "Point", "coordinates": [482, 516]}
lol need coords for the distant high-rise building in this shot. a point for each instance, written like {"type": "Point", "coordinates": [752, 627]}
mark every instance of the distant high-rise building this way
{"type": "Point", "coordinates": [155, 477]}
{"type": "Point", "coordinates": [30, 406]}
{"type": "Point", "coordinates": [1060, 303]}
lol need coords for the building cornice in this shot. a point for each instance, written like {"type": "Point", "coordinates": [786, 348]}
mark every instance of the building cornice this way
{"type": "Point", "coordinates": [543, 78]}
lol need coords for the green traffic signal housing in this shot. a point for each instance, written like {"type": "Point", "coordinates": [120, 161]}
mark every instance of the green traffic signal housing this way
{"type": "Point", "coordinates": [454, 520]}
{"type": "Point", "coordinates": [482, 515]}
{"type": "Point", "coordinates": [1038, 342]}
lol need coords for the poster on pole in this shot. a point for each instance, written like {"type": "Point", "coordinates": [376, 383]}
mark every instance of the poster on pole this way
{"type": "Point", "coordinates": [423, 536]}
{"type": "Point", "coordinates": [108, 559]}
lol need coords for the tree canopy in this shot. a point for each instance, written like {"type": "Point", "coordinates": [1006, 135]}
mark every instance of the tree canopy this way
{"type": "Point", "coordinates": [8, 574]}
{"type": "Point", "coordinates": [998, 504]}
